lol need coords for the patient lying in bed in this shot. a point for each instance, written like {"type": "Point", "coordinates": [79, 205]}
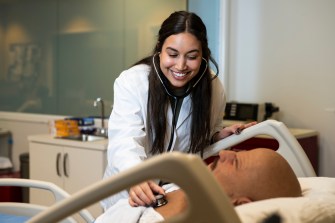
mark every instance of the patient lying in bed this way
{"type": "Point", "coordinates": [245, 177]}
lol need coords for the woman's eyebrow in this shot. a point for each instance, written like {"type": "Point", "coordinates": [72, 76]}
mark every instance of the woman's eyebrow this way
{"type": "Point", "coordinates": [172, 49]}
{"type": "Point", "coordinates": [191, 51]}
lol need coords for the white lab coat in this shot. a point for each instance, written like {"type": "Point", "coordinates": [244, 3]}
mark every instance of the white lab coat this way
{"type": "Point", "coordinates": [127, 123]}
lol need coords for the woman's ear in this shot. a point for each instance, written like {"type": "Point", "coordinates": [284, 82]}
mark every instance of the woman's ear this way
{"type": "Point", "coordinates": [241, 200]}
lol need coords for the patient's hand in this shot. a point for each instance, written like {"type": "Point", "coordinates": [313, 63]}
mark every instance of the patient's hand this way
{"type": "Point", "coordinates": [233, 129]}
{"type": "Point", "coordinates": [143, 194]}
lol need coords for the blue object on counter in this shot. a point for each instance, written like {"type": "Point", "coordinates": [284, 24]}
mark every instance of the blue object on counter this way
{"type": "Point", "coordinates": [87, 130]}
{"type": "Point", "coordinates": [84, 121]}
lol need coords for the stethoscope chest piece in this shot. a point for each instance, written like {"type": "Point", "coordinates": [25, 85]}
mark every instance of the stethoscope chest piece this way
{"type": "Point", "coordinates": [160, 200]}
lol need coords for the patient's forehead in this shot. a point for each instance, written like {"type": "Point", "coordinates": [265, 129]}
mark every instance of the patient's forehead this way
{"type": "Point", "coordinates": [261, 156]}
{"type": "Point", "coordinates": [253, 165]}
{"type": "Point", "coordinates": [254, 158]}
{"type": "Point", "coordinates": [263, 153]}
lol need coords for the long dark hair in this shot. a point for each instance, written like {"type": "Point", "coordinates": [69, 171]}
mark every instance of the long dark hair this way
{"type": "Point", "coordinates": [158, 100]}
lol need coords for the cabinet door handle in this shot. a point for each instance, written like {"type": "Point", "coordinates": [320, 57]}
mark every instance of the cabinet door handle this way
{"type": "Point", "coordinates": [64, 165]}
{"type": "Point", "coordinates": [57, 164]}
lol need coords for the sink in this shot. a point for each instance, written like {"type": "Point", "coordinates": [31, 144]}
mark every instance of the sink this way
{"type": "Point", "coordinates": [91, 138]}
{"type": "Point", "coordinates": [85, 138]}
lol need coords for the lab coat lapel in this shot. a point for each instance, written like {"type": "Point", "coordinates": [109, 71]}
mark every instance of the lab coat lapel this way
{"type": "Point", "coordinates": [185, 111]}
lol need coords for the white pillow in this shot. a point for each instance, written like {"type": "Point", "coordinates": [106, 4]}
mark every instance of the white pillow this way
{"type": "Point", "coordinates": [317, 204]}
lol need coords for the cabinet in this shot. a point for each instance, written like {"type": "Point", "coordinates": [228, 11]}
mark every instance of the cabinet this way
{"type": "Point", "coordinates": [72, 165]}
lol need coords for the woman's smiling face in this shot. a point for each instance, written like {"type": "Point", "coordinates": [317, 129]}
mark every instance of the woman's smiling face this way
{"type": "Point", "coordinates": [180, 58]}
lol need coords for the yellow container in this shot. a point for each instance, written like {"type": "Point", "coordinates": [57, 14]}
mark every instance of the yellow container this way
{"type": "Point", "coordinates": [64, 128]}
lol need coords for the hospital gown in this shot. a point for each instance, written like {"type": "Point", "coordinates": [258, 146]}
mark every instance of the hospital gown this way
{"type": "Point", "coordinates": [123, 212]}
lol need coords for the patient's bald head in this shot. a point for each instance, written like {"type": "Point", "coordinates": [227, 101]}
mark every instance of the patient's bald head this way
{"type": "Point", "coordinates": [255, 175]}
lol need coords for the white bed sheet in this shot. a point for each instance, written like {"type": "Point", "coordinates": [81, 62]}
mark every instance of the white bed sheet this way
{"type": "Point", "coordinates": [317, 204]}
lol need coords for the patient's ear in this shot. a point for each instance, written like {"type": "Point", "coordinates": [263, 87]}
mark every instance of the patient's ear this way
{"type": "Point", "coordinates": [241, 200]}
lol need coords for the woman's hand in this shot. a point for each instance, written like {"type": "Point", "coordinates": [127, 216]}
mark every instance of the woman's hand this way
{"type": "Point", "coordinates": [143, 194]}
{"type": "Point", "coordinates": [233, 129]}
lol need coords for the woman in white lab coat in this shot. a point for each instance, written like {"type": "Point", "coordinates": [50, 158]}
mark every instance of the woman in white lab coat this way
{"type": "Point", "coordinates": [169, 101]}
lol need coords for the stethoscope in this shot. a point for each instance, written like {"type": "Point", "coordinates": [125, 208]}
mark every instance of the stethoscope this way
{"type": "Point", "coordinates": [177, 98]}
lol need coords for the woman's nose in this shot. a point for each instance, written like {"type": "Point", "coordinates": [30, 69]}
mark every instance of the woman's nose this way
{"type": "Point", "coordinates": [181, 63]}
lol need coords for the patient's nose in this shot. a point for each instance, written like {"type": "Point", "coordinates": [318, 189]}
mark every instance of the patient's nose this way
{"type": "Point", "coordinates": [227, 156]}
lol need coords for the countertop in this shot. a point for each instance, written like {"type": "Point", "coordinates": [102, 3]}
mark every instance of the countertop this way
{"type": "Point", "coordinates": [296, 132]}
{"type": "Point", "coordinates": [49, 139]}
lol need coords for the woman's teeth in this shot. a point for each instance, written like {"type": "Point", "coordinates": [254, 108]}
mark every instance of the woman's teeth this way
{"type": "Point", "coordinates": [179, 74]}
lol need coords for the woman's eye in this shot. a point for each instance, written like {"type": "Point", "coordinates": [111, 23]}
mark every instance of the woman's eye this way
{"type": "Point", "coordinates": [173, 55]}
{"type": "Point", "coordinates": [192, 57]}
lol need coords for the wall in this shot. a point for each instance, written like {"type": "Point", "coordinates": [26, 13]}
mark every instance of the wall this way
{"type": "Point", "coordinates": [283, 51]}
{"type": "Point", "coordinates": [2, 42]}
{"type": "Point", "coordinates": [66, 54]}
{"type": "Point", "coordinates": [209, 13]}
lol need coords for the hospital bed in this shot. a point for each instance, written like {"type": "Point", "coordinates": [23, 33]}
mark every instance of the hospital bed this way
{"type": "Point", "coordinates": [207, 201]}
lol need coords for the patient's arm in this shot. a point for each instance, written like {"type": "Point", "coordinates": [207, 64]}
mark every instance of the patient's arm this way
{"type": "Point", "coordinates": [177, 203]}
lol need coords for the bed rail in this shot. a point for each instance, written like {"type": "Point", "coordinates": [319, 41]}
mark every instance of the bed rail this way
{"type": "Point", "coordinates": [31, 209]}
{"type": "Point", "coordinates": [289, 146]}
